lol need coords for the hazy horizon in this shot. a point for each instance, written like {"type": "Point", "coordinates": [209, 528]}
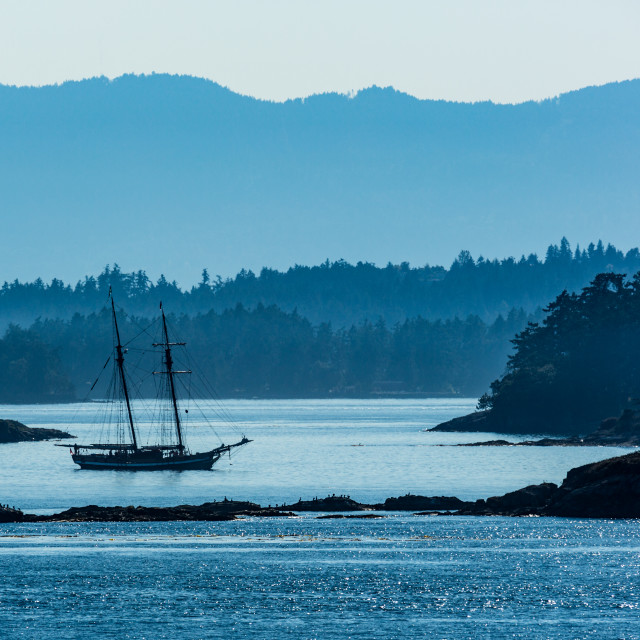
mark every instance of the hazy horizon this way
{"type": "Point", "coordinates": [347, 94]}
{"type": "Point", "coordinates": [174, 174]}
{"type": "Point", "coordinates": [465, 51]}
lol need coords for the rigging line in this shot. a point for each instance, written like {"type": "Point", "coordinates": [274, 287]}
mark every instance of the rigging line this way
{"type": "Point", "coordinates": [221, 409]}
{"type": "Point", "coordinates": [207, 421]}
{"type": "Point", "coordinates": [137, 373]}
{"type": "Point", "coordinates": [132, 320]}
{"type": "Point", "coordinates": [86, 396]}
{"type": "Point", "coordinates": [191, 399]}
{"type": "Point", "coordinates": [140, 354]}
{"type": "Point", "coordinates": [221, 412]}
{"type": "Point", "coordinates": [105, 412]}
{"type": "Point", "coordinates": [208, 387]}
{"type": "Point", "coordinates": [137, 336]}
{"type": "Point", "coordinates": [141, 380]}
{"type": "Point", "coordinates": [98, 378]}
{"type": "Point", "coordinates": [146, 412]}
{"type": "Point", "coordinates": [138, 364]}
{"type": "Point", "coordinates": [218, 409]}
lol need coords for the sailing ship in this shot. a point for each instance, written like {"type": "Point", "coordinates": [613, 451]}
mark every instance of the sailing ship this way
{"type": "Point", "coordinates": [130, 454]}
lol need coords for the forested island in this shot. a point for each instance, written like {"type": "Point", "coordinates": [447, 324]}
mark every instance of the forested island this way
{"type": "Point", "coordinates": [250, 338]}
{"type": "Point", "coordinates": [573, 370]}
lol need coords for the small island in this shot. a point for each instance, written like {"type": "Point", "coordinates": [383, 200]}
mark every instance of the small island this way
{"type": "Point", "coordinates": [570, 372]}
{"type": "Point", "coordinates": [14, 431]}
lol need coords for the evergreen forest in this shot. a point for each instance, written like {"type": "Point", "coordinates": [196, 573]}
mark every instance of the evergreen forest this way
{"type": "Point", "coordinates": [341, 330]}
{"type": "Point", "coordinates": [580, 365]}
{"type": "Point", "coordinates": [266, 352]}
{"type": "Point", "coordinates": [335, 292]}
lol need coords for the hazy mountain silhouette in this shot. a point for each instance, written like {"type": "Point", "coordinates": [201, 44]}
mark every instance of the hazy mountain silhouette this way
{"type": "Point", "coordinates": [177, 173]}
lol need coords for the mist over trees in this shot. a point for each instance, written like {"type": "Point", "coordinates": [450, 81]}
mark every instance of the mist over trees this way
{"type": "Point", "coordinates": [267, 352]}
{"type": "Point", "coordinates": [331, 330]}
{"type": "Point", "coordinates": [31, 370]}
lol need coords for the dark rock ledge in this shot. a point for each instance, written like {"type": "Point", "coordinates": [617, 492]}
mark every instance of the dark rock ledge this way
{"type": "Point", "coordinates": [14, 431]}
{"type": "Point", "coordinates": [623, 431]}
{"type": "Point", "coordinates": [207, 512]}
{"type": "Point", "coordinates": [606, 489]}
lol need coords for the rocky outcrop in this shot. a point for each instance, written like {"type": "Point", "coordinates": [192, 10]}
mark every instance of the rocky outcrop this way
{"type": "Point", "coordinates": [619, 432]}
{"type": "Point", "coordinates": [331, 503]}
{"type": "Point", "coordinates": [338, 516]}
{"type": "Point", "coordinates": [522, 502]}
{"type": "Point", "coordinates": [232, 509]}
{"type": "Point", "coordinates": [208, 512]}
{"type": "Point", "coordinates": [14, 431]}
{"type": "Point", "coordinates": [476, 421]}
{"type": "Point", "coordinates": [410, 502]}
{"type": "Point", "coordinates": [485, 443]}
{"type": "Point", "coordinates": [606, 489]}
{"type": "Point", "coordinates": [543, 442]}
{"type": "Point", "coordinates": [9, 514]}
{"type": "Point", "coordinates": [612, 432]}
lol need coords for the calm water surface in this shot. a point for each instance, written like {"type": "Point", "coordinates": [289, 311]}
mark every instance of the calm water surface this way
{"type": "Point", "coordinates": [368, 449]}
{"type": "Point", "coordinates": [402, 576]}
{"type": "Point", "coordinates": [399, 577]}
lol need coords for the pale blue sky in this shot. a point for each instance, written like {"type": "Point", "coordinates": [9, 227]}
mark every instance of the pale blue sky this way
{"type": "Point", "coordinates": [503, 50]}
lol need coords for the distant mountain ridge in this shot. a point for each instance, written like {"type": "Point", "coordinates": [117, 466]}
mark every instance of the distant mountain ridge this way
{"type": "Point", "coordinates": [177, 173]}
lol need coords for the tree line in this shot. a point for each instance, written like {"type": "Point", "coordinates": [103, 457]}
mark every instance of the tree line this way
{"type": "Point", "coordinates": [336, 292]}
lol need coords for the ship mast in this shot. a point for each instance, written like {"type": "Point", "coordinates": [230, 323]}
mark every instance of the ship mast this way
{"type": "Point", "coordinates": [123, 379]}
{"type": "Point", "coordinates": [169, 371]}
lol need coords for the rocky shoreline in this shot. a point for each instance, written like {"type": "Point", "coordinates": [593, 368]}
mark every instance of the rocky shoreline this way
{"type": "Point", "coordinates": [623, 431]}
{"type": "Point", "coordinates": [606, 489]}
{"type": "Point", "coordinates": [14, 431]}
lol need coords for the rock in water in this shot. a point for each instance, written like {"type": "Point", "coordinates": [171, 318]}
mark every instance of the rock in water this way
{"type": "Point", "coordinates": [14, 431]}
{"type": "Point", "coordinates": [331, 503]}
{"type": "Point", "coordinates": [208, 512]}
{"type": "Point", "coordinates": [623, 431]}
{"type": "Point", "coordinates": [606, 489]}
{"type": "Point", "coordinates": [410, 502]}
{"type": "Point", "coordinates": [8, 514]}
{"type": "Point", "coordinates": [476, 421]}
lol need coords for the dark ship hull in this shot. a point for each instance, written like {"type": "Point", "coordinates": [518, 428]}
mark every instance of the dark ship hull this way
{"type": "Point", "coordinates": [141, 462]}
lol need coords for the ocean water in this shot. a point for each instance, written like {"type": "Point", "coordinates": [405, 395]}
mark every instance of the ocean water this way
{"type": "Point", "coordinates": [402, 576]}
{"type": "Point", "coordinates": [368, 449]}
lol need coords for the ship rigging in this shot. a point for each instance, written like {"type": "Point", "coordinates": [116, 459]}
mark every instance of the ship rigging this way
{"type": "Point", "coordinates": [129, 453]}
